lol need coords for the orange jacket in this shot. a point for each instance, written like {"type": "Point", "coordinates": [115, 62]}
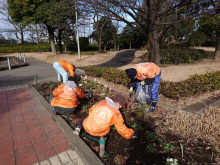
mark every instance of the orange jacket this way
{"type": "Point", "coordinates": [67, 66]}
{"type": "Point", "coordinates": [147, 70]}
{"type": "Point", "coordinates": [101, 116]}
{"type": "Point", "coordinates": [67, 97]}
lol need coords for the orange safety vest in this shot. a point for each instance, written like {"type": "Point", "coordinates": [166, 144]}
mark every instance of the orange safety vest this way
{"type": "Point", "coordinates": [67, 97]}
{"type": "Point", "coordinates": [146, 70]}
{"type": "Point", "coordinates": [101, 117]}
{"type": "Point", "coordinates": [67, 67]}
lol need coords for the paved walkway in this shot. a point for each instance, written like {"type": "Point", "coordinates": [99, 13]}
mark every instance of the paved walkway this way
{"type": "Point", "coordinates": [29, 132]}
{"type": "Point", "coordinates": [29, 135]}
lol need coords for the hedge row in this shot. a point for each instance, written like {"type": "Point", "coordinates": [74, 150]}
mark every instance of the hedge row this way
{"type": "Point", "coordinates": [43, 48]}
{"type": "Point", "coordinates": [176, 56]}
{"type": "Point", "coordinates": [196, 84]}
{"type": "Point", "coordinates": [25, 48]}
{"type": "Point", "coordinates": [110, 74]}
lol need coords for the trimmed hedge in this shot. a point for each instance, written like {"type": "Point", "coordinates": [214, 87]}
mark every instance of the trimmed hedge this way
{"type": "Point", "coordinates": [25, 48]}
{"type": "Point", "coordinates": [196, 84]}
{"type": "Point", "coordinates": [110, 74]}
{"type": "Point", "coordinates": [176, 56]}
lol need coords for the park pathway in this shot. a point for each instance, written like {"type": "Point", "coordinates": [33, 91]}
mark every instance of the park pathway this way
{"type": "Point", "coordinates": [28, 134]}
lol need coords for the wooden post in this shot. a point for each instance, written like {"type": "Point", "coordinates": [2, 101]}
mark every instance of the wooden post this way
{"type": "Point", "coordinates": [17, 54]}
{"type": "Point", "coordinates": [9, 65]}
{"type": "Point", "coordinates": [24, 58]}
{"type": "Point", "coordinates": [102, 146]}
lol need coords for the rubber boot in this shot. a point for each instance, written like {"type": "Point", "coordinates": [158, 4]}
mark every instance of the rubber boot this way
{"type": "Point", "coordinates": [152, 105]}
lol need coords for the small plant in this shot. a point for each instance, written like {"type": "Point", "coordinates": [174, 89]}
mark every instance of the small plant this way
{"type": "Point", "coordinates": [136, 126]}
{"type": "Point", "coordinates": [139, 113]}
{"type": "Point", "coordinates": [84, 107]}
{"type": "Point", "coordinates": [151, 148]}
{"type": "Point", "coordinates": [102, 95]}
{"type": "Point", "coordinates": [169, 147]}
{"type": "Point", "coordinates": [120, 159]}
{"type": "Point", "coordinates": [53, 85]}
{"type": "Point", "coordinates": [152, 136]}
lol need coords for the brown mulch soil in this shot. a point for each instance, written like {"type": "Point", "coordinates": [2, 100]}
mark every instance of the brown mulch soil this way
{"type": "Point", "coordinates": [14, 63]}
{"type": "Point", "coordinates": [148, 147]}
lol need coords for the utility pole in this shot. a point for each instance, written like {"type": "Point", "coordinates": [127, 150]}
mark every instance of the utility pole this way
{"type": "Point", "coordinates": [77, 33]}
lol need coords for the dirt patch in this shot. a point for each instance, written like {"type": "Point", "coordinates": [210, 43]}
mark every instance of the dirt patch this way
{"type": "Point", "coordinates": [162, 134]}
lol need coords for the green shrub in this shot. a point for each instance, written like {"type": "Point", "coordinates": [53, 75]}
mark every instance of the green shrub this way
{"type": "Point", "coordinates": [110, 74]}
{"type": "Point", "coordinates": [90, 47]}
{"type": "Point", "coordinates": [25, 48]}
{"type": "Point", "coordinates": [176, 56]}
{"type": "Point", "coordinates": [84, 42]}
{"type": "Point", "coordinates": [194, 85]}
{"type": "Point", "coordinates": [93, 47]}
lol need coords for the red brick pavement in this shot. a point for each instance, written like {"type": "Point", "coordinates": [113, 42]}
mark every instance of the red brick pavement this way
{"type": "Point", "coordinates": [28, 134]}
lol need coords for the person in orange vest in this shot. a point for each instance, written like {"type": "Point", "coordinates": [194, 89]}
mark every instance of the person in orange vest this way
{"type": "Point", "coordinates": [62, 67]}
{"type": "Point", "coordinates": [64, 99]}
{"type": "Point", "coordinates": [145, 74]}
{"type": "Point", "coordinates": [103, 115]}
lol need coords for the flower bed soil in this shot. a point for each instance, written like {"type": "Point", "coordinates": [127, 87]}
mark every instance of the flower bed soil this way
{"type": "Point", "coordinates": [157, 138]}
{"type": "Point", "coordinates": [14, 62]}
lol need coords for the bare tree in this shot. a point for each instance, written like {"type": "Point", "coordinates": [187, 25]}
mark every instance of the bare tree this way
{"type": "Point", "coordinates": [18, 28]}
{"type": "Point", "coordinates": [150, 17]}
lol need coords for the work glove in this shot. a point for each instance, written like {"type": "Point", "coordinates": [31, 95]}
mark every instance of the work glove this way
{"type": "Point", "coordinates": [130, 91]}
{"type": "Point", "coordinates": [142, 83]}
{"type": "Point", "coordinates": [152, 105]}
{"type": "Point", "coordinates": [134, 135]}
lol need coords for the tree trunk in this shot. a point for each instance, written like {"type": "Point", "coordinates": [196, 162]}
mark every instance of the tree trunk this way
{"type": "Point", "coordinates": [22, 37]}
{"type": "Point", "coordinates": [115, 43]}
{"type": "Point", "coordinates": [217, 46]}
{"type": "Point", "coordinates": [38, 43]}
{"type": "Point", "coordinates": [60, 41]}
{"type": "Point", "coordinates": [154, 47]}
{"type": "Point", "coordinates": [100, 43]}
{"type": "Point", "coordinates": [51, 38]}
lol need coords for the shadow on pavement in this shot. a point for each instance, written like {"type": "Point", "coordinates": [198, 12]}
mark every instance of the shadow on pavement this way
{"type": "Point", "coordinates": [119, 60]}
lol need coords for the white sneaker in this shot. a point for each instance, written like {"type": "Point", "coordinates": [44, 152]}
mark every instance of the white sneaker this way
{"type": "Point", "coordinates": [77, 130]}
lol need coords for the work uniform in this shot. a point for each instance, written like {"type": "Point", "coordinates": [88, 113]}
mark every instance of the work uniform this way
{"type": "Point", "coordinates": [102, 116]}
{"type": "Point", "coordinates": [62, 67]}
{"type": "Point", "coordinates": [146, 71]}
{"type": "Point", "coordinates": [64, 99]}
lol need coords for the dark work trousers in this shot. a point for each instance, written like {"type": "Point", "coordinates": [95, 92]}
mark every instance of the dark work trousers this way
{"type": "Point", "coordinates": [62, 110]}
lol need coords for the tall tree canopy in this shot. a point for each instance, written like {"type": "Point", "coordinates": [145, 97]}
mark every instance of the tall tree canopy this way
{"type": "Point", "coordinates": [152, 17]}
{"type": "Point", "coordinates": [54, 14]}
